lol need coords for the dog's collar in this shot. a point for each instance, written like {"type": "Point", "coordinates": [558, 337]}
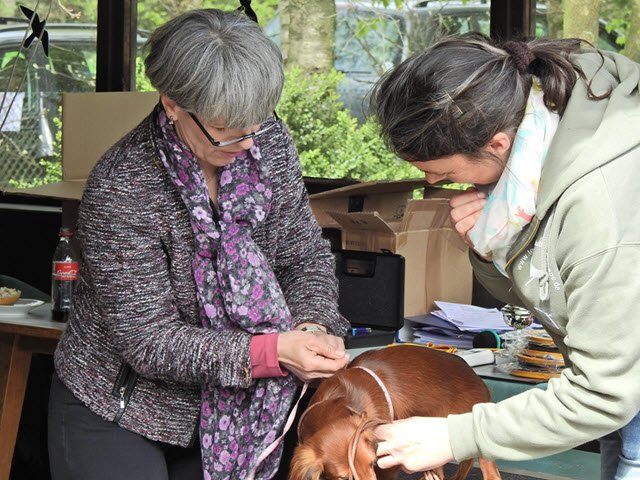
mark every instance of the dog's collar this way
{"type": "Point", "coordinates": [382, 386]}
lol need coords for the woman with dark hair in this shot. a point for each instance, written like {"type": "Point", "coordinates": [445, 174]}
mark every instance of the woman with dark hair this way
{"type": "Point", "coordinates": [549, 134]}
{"type": "Point", "coordinates": [206, 293]}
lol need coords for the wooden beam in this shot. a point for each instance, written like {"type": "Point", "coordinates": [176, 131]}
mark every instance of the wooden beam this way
{"type": "Point", "coordinates": [512, 19]}
{"type": "Point", "coordinates": [116, 49]}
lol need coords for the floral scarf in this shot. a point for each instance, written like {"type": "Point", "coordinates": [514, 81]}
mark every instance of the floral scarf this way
{"type": "Point", "coordinates": [236, 289]}
{"type": "Point", "coordinates": [512, 202]}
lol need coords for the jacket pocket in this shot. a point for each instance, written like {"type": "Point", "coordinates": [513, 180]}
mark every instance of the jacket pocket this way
{"type": "Point", "coordinates": [123, 388]}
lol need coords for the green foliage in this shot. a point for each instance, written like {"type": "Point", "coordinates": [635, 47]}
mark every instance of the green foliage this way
{"type": "Point", "coordinates": [84, 11]}
{"type": "Point", "coordinates": [153, 13]}
{"type": "Point", "coordinates": [621, 26]}
{"type": "Point", "coordinates": [330, 142]}
{"type": "Point", "coordinates": [142, 81]}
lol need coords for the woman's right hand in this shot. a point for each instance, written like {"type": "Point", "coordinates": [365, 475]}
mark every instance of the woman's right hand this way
{"type": "Point", "coordinates": [417, 444]}
{"type": "Point", "coordinates": [465, 211]}
{"type": "Point", "coordinates": [311, 355]}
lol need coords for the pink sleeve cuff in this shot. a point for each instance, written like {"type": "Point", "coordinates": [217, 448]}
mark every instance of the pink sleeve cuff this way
{"type": "Point", "coordinates": [263, 352]}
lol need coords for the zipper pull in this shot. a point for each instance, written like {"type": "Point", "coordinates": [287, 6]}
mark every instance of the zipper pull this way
{"type": "Point", "coordinates": [543, 287]}
{"type": "Point", "coordinates": [122, 402]}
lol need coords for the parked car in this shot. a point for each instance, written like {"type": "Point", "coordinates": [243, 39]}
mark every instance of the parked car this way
{"type": "Point", "coordinates": [371, 38]}
{"type": "Point", "coordinates": [30, 91]}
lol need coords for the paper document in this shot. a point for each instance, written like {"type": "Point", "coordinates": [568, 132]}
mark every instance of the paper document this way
{"type": "Point", "coordinates": [470, 318]}
{"type": "Point", "coordinates": [458, 341]}
{"type": "Point", "coordinates": [454, 324]}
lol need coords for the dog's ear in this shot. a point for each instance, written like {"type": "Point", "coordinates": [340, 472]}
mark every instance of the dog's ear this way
{"type": "Point", "coordinates": [305, 464]}
{"type": "Point", "coordinates": [315, 416]}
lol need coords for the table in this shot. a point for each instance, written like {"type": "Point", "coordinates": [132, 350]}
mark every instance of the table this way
{"type": "Point", "coordinates": [20, 337]}
{"type": "Point", "coordinates": [35, 332]}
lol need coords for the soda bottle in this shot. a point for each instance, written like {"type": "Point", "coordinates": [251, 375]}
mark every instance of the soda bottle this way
{"type": "Point", "coordinates": [64, 276]}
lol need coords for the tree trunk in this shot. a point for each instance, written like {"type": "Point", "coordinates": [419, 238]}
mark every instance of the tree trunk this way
{"type": "Point", "coordinates": [632, 45]}
{"type": "Point", "coordinates": [554, 18]}
{"type": "Point", "coordinates": [581, 19]}
{"type": "Point", "coordinates": [285, 21]}
{"type": "Point", "coordinates": [311, 33]}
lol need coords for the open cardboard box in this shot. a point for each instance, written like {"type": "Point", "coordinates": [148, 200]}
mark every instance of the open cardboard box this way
{"type": "Point", "coordinates": [379, 216]}
{"type": "Point", "coordinates": [91, 123]}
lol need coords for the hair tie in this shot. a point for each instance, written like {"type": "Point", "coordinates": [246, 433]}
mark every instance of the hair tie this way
{"type": "Point", "coordinates": [521, 53]}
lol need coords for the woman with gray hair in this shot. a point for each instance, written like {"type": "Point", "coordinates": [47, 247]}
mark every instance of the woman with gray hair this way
{"type": "Point", "coordinates": [549, 134]}
{"type": "Point", "coordinates": [206, 292]}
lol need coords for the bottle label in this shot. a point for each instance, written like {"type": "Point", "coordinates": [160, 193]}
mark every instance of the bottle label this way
{"type": "Point", "coordinates": [65, 271]}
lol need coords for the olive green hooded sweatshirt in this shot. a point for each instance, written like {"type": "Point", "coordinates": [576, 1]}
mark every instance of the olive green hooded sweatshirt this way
{"type": "Point", "coordinates": [577, 267]}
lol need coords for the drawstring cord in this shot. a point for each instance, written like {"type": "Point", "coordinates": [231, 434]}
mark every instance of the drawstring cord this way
{"type": "Point", "coordinates": [353, 446]}
{"type": "Point", "coordinates": [267, 451]}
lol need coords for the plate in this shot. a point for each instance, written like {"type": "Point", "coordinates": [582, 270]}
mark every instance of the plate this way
{"type": "Point", "coordinates": [22, 306]}
{"type": "Point", "coordinates": [535, 374]}
{"type": "Point", "coordinates": [541, 338]}
{"type": "Point", "coordinates": [541, 361]}
{"type": "Point", "coordinates": [542, 354]}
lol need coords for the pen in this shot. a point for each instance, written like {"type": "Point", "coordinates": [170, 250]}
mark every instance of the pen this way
{"type": "Point", "coordinates": [360, 331]}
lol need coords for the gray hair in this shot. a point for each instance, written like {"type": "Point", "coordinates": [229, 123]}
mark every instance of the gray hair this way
{"type": "Point", "coordinates": [218, 65]}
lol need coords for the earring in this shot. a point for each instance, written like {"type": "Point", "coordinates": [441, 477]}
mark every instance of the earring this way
{"type": "Point", "coordinates": [172, 121]}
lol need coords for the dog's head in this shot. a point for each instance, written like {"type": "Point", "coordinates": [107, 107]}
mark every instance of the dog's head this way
{"type": "Point", "coordinates": [336, 442]}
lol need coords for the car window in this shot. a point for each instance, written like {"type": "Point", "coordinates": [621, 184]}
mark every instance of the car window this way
{"type": "Point", "coordinates": [431, 24]}
{"type": "Point", "coordinates": [367, 41]}
{"type": "Point", "coordinates": [73, 67]}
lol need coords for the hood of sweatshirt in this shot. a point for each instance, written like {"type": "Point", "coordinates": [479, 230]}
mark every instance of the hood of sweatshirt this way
{"type": "Point", "coordinates": [592, 133]}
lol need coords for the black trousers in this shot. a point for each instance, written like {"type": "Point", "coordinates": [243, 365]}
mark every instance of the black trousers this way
{"type": "Point", "coordinates": [84, 446]}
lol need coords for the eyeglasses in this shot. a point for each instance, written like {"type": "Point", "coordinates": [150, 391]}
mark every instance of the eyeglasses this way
{"type": "Point", "coordinates": [233, 141]}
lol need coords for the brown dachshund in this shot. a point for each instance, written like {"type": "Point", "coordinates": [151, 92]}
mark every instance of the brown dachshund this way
{"type": "Point", "coordinates": [335, 433]}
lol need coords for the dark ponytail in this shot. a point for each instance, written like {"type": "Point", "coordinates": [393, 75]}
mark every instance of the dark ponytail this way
{"type": "Point", "coordinates": [551, 64]}
{"type": "Point", "coordinates": [455, 96]}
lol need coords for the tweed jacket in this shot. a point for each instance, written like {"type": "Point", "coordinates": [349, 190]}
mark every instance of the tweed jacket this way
{"type": "Point", "coordinates": [134, 350]}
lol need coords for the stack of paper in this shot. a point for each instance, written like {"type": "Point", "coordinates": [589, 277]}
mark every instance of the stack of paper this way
{"type": "Point", "coordinates": [453, 324]}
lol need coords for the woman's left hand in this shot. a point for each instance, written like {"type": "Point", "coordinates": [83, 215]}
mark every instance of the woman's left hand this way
{"type": "Point", "coordinates": [417, 444]}
{"type": "Point", "coordinates": [466, 208]}
{"type": "Point", "coordinates": [311, 355]}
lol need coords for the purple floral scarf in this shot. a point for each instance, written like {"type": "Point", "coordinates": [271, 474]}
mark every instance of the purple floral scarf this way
{"type": "Point", "coordinates": [236, 290]}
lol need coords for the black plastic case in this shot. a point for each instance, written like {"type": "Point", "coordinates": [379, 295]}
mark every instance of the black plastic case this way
{"type": "Point", "coordinates": [371, 295]}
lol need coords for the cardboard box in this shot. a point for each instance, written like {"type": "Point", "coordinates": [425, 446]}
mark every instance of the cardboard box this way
{"type": "Point", "coordinates": [91, 123]}
{"type": "Point", "coordinates": [379, 216]}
